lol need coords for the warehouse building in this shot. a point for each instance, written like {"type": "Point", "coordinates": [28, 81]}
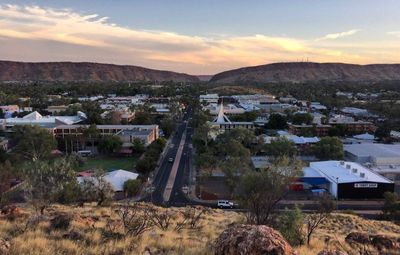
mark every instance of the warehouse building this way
{"type": "Point", "coordinates": [376, 153]}
{"type": "Point", "coordinates": [349, 180]}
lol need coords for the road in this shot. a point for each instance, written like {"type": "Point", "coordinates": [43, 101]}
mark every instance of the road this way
{"type": "Point", "coordinates": [168, 188]}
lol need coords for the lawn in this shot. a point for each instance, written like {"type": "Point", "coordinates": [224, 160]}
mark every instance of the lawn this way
{"type": "Point", "coordinates": [109, 163]}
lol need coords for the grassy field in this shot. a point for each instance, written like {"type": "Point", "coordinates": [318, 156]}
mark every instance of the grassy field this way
{"type": "Point", "coordinates": [108, 163]}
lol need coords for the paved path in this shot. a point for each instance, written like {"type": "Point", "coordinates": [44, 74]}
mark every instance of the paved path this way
{"type": "Point", "coordinates": [174, 170]}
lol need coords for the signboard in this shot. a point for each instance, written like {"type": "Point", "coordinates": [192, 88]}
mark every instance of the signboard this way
{"type": "Point", "coordinates": [366, 185]}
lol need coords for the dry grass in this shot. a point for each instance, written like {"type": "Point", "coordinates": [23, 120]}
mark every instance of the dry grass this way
{"type": "Point", "coordinates": [90, 221]}
{"type": "Point", "coordinates": [96, 238]}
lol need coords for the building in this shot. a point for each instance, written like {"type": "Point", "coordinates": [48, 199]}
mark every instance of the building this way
{"type": "Point", "coordinates": [309, 130]}
{"type": "Point", "coordinates": [147, 133]}
{"type": "Point", "coordinates": [229, 109]}
{"type": "Point", "coordinates": [9, 108]}
{"type": "Point", "coordinates": [255, 99]}
{"type": "Point", "coordinates": [355, 111]}
{"type": "Point", "coordinates": [53, 109]}
{"type": "Point", "coordinates": [375, 153]}
{"type": "Point", "coordinates": [209, 98]}
{"type": "Point", "coordinates": [352, 126]}
{"type": "Point", "coordinates": [222, 122]}
{"type": "Point", "coordinates": [37, 119]}
{"type": "Point", "coordinates": [350, 180]}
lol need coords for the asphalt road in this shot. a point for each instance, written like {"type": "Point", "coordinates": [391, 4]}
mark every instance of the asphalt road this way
{"type": "Point", "coordinates": [164, 171]}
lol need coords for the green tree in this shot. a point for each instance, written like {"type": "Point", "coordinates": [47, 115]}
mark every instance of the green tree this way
{"type": "Point", "coordinates": [277, 121]}
{"type": "Point", "coordinates": [260, 192]}
{"type": "Point", "coordinates": [391, 207]}
{"type": "Point", "coordinates": [168, 126]}
{"type": "Point", "coordinates": [32, 142]}
{"type": "Point", "coordinates": [44, 181]}
{"type": "Point", "coordinates": [138, 146]}
{"type": "Point", "coordinates": [281, 147]}
{"type": "Point", "coordinates": [329, 148]}
{"type": "Point", "coordinates": [291, 226]}
{"type": "Point", "coordinates": [93, 112]}
{"type": "Point", "coordinates": [97, 188]}
{"type": "Point", "coordinates": [132, 187]}
{"type": "Point", "coordinates": [91, 134]}
{"type": "Point", "coordinates": [302, 118]}
{"type": "Point", "coordinates": [6, 173]}
{"type": "Point", "coordinates": [382, 133]}
{"type": "Point", "coordinates": [110, 144]}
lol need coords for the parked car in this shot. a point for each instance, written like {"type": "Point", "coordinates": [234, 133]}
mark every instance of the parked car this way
{"type": "Point", "coordinates": [224, 204]}
{"type": "Point", "coordinates": [170, 160]}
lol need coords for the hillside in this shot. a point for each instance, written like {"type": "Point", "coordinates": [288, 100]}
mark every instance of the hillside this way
{"type": "Point", "coordinates": [100, 230]}
{"type": "Point", "coordinates": [310, 72]}
{"type": "Point", "coordinates": [70, 71]}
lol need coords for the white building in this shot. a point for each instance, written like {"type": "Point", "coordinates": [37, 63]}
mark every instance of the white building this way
{"type": "Point", "coordinates": [209, 98]}
{"type": "Point", "coordinates": [350, 180]}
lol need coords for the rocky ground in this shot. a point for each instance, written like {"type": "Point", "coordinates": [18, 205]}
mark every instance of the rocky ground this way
{"type": "Point", "coordinates": [117, 230]}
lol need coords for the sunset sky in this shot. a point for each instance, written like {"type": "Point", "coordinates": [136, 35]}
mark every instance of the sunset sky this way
{"type": "Point", "coordinates": [200, 37]}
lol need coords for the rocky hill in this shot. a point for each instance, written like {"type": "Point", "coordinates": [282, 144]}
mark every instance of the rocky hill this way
{"type": "Point", "coordinates": [310, 72]}
{"type": "Point", "coordinates": [70, 71]}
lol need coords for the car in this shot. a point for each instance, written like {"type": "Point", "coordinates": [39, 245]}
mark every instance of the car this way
{"type": "Point", "coordinates": [224, 204]}
{"type": "Point", "coordinates": [170, 160]}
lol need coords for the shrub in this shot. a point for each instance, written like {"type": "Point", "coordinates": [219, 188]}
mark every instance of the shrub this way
{"type": "Point", "coordinates": [132, 187]}
{"type": "Point", "coordinates": [61, 222]}
{"type": "Point", "coordinates": [290, 226]}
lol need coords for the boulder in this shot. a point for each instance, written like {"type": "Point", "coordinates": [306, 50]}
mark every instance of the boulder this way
{"type": "Point", "coordinates": [358, 237]}
{"type": "Point", "coordinates": [385, 242]}
{"type": "Point", "coordinates": [332, 252]}
{"type": "Point", "coordinates": [4, 246]}
{"type": "Point", "coordinates": [251, 239]}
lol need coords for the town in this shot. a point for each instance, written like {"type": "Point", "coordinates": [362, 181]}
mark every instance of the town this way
{"type": "Point", "coordinates": [199, 127]}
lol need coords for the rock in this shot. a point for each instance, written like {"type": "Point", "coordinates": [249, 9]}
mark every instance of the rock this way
{"type": "Point", "coordinates": [251, 239]}
{"type": "Point", "coordinates": [332, 252]}
{"type": "Point", "coordinates": [385, 242]}
{"type": "Point", "coordinates": [74, 235]}
{"type": "Point", "coordinates": [358, 237]}
{"type": "Point", "coordinates": [153, 251]}
{"type": "Point", "coordinates": [4, 246]}
{"type": "Point", "coordinates": [11, 212]}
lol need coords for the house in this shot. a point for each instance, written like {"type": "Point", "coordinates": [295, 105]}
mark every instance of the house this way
{"type": "Point", "coordinates": [117, 178]}
{"type": "Point", "coordinates": [350, 180]}
{"type": "Point", "coordinates": [53, 109]}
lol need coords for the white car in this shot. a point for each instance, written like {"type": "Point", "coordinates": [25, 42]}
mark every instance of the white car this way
{"type": "Point", "coordinates": [223, 204]}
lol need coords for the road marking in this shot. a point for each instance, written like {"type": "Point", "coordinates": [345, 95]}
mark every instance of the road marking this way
{"type": "Point", "coordinates": [174, 170]}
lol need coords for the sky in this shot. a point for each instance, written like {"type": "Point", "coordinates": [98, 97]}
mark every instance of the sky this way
{"type": "Point", "coordinates": [202, 36]}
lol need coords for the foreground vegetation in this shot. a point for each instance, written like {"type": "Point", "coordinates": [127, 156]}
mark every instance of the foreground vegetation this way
{"type": "Point", "coordinates": [111, 230]}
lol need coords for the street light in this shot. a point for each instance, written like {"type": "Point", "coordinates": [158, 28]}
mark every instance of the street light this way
{"type": "Point", "coordinates": [337, 193]}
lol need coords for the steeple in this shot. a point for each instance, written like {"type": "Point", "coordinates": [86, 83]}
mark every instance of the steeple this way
{"type": "Point", "coordinates": [222, 118]}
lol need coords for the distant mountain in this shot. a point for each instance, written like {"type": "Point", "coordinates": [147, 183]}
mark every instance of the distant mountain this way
{"type": "Point", "coordinates": [71, 71]}
{"type": "Point", "coordinates": [204, 77]}
{"type": "Point", "coordinates": [310, 72]}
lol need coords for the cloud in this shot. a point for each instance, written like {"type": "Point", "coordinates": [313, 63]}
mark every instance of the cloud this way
{"type": "Point", "coordinates": [339, 35]}
{"type": "Point", "coordinates": [34, 33]}
{"type": "Point", "coordinates": [394, 33]}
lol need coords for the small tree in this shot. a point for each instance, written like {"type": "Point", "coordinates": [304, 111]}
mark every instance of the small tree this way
{"type": "Point", "coordinates": [96, 188]}
{"type": "Point", "coordinates": [45, 181]}
{"type": "Point", "coordinates": [391, 207]}
{"type": "Point", "coordinates": [138, 146]}
{"type": "Point", "coordinates": [260, 192]}
{"type": "Point", "coordinates": [32, 142]}
{"type": "Point", "coordinates": [136, 219]}
{"type": "Point", "coordinates": [313, 220]}
{"type": "Point", "coordinates": [281, 147]}
{"type": "Point", "coordinates": [110, 144]}
{"type": "Point", "coordinates": [329, 148]}
{"type": "Point", "coordinates": [291, 226]}
{"type": "Point", "coordinates": [132, 187]}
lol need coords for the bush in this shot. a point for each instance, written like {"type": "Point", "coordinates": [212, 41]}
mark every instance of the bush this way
{"type": "Point", "coordinates": [132, 187]}
{"type": "Point", "coordinates": [291, 226]}
{"type": "Point", "coordinates": [61, 222]}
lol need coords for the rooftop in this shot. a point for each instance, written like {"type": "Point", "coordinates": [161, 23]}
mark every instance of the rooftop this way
{"type": "Point", "coordinates": [374, 150]}
{"type": "Point", "coordinates": [346, 172]}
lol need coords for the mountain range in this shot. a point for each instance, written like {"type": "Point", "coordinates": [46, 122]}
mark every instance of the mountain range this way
{"type": "Point", "coordinates": [299, 72]}
{"type": "Point", "coordinates": [84, 71]}
{"type": "Point", "coordinates": [290, 72]}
